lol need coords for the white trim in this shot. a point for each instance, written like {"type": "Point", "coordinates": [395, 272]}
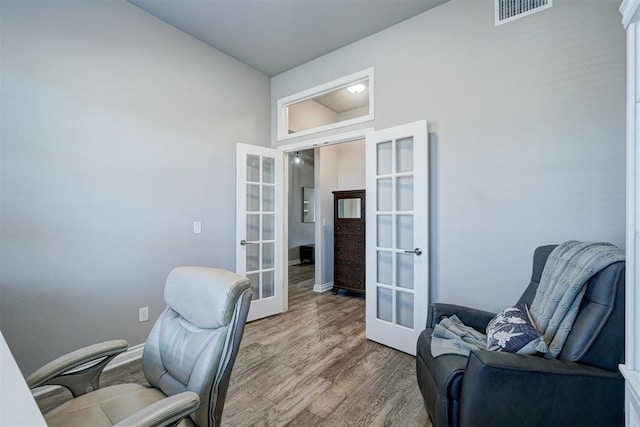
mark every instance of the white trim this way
{"type": "Point", "coordinates": [328, 140]}
{"type": "Point", "coordinates": [132, 354]}
{"type": "Point", "coordinates": [282, 104]}
{"type": "Point", "coordinates": [284, 248]}
{"type": "Point", "coordinates": [322, 287]}
{"type": "Point", "coordinates": [632, 395]}
{"type": "Point", "coordinates": [630, 10]}
{"type": "Point", "coordinates": [631, 343]}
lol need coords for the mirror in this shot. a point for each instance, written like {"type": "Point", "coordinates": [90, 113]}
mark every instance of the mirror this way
{"type": "Point", "coordinates": [349, 208]}
{"type": "Point", "coordinates": [342, 102]}
{"type": "Point", "coordinates": [308, 205]}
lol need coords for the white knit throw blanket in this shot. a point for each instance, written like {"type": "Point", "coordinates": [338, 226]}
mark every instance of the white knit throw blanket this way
{"type": "Point", "coordinates": [562, 286]}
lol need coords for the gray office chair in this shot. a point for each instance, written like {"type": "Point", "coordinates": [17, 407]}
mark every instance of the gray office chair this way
{"type": "Point", "coordinates": [187, 360]}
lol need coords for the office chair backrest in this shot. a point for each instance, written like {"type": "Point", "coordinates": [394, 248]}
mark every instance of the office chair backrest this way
{"type": "Point", "coordinates": [193, 344]}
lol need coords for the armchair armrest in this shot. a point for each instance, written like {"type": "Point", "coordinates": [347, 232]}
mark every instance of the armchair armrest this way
{"type": "Point", "coordinates": [165, 412]}
{"type": "Point", "coordinates": [60, 371]}
{"type": "Point", "coordinates": [477, 319]}
{"type": "Point", "coordinates": [511, 389]}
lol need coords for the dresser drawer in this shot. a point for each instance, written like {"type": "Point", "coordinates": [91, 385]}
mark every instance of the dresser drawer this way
{"type": "Point", "coordinates": [350, 280]}
{"type": "Point", "coordinates": [349, 240]}
{"type": "Point", "coordinates": [349, 228]}
{"type": "Point", "coordinates": [355, 266]}
{"type": "Point", "coordinates": [348, 254]}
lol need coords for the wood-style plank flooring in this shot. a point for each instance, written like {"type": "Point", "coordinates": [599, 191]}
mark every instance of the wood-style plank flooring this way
{"type": "Point", "coordinates": [311, 366]}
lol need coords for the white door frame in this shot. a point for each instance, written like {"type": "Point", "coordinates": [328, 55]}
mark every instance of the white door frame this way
{"type": "Point", "coordinates": [285, 149]}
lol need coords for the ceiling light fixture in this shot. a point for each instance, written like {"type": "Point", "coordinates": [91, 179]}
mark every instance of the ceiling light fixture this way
{"type": "Point", "coordinates": [297, 159]}
{"type": "Point", "coordinates": [357, 88]}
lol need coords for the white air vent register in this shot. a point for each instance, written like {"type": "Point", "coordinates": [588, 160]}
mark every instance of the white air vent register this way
{"type": "Point", "coordinates": [510, 10]}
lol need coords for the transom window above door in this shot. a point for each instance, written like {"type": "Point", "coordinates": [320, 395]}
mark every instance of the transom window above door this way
{"type": "Point", "coordinates": [341, 102]}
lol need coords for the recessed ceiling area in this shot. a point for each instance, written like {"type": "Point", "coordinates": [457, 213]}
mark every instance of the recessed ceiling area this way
{"type": "Point", "coordinates": [274, 36]}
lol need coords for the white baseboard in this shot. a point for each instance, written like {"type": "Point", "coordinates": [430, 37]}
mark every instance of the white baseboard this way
{"type": "Point", "coordinates": [132, 354]}
{"type": "Point", "coordinates": [294, 262]}
{"type": "Point", "coordinates": [322, 287]}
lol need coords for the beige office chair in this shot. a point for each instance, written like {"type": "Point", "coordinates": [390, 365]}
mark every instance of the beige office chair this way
{"type": "Point", "coordinates": [187, 360]}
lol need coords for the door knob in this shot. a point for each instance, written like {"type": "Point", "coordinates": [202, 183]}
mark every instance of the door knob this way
{"type": "Point", "coordinates": [245, 243]}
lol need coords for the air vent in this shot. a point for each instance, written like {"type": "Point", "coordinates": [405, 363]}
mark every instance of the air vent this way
{"type": "Point", "coordinates": [510, 10]}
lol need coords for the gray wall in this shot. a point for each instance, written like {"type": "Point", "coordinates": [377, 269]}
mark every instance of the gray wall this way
{"type": "Point", "coordinates": [300, 175]}
{"type": "Point", "coordinates": [527, 125]}
{"type": "Point", "coordinates": [118, 131]}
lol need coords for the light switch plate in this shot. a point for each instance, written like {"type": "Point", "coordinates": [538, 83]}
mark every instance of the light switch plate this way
{"type": "Point", "coordinates": [143, 314]}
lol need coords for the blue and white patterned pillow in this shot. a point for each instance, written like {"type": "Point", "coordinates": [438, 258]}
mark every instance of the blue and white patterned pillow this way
{"type": "Point", "coordinates": [513, 331]}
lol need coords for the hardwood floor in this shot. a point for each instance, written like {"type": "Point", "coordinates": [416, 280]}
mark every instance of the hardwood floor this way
{"type": "Point", "coordinates": [312, 366]}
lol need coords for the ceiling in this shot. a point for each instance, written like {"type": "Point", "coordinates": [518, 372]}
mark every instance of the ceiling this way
{"type": "Point", "coordinates": [274, 36]}
{"type": "Point", "coordinates": [341, 100]}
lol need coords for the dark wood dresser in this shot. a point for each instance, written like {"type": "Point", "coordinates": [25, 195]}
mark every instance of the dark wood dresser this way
{"type": "Point", "coordinates": [348, 240]}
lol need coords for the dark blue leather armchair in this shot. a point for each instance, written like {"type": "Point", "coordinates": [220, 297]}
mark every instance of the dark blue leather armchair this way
{"type": "Point", "coordinates": [582, 387]}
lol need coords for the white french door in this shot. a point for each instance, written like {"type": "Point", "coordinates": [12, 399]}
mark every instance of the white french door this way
{"type": "Point", "coordinates": [397, 239]}
{"type": "Point", "coordinates": [259, 182]}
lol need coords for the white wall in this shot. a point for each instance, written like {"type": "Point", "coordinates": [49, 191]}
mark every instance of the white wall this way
{"type": "Point", "coordinates": [351, 165]}
{"type": "Point", "coordinates": [118, 131]}
{"type": "Point", "coordinates": [527, 124]}
{"type": "Point", "coordinates": [326, 173]}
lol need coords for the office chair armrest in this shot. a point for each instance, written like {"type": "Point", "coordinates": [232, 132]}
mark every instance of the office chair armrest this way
{"type": "Point", "coordinates": [62, 371]}
{"type": "Point", "coordinates": [165, 412]}
{"type": "Point", "coordinates": [477, 319]}
{"type": "Point", "coordinates": [511, 389]}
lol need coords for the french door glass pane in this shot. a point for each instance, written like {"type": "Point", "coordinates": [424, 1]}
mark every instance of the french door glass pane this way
{"type": "Point", "coordinates": [404, 309]}
{"type": "Point", "coordinates": [253, 168]}
{"type": "Point", "coordinates": [385, 307]}
{"type": "Point", "coordinates": [268, 284]}
{"type": "Point", "coordinates": [268, 198]}
{"type": "Point", "coordinates": [384, 195]}
{"type": "Point", "coordinates": [267, 255]}
{"type": "Point", "coordinates": [404, 155]}
{"type": "Point", "coordinates": [385, 236]}
{"type": "Point", "coordinates": [404, 193]}
{"type": "Point", "coordinates": [268, 226]}
{"type": "Point", "coordinates": [253, 227]}
{"type": "Point", "coordinates": [404, 266]}
{"type": "Point", "coordinates": [385, 272]}
{"type": "Point", "coordinates": [253, 257]}
{"type": "Point", "coordinates": [404, 236]}
{"type": "Point", "coordinates": [253, 197]}
{"type": "Point", "coordinates": [254, 278]}
{"type": "Point", "coordinates": [268, 170]}
{"type": "Point", "coordinates": [384, 158]}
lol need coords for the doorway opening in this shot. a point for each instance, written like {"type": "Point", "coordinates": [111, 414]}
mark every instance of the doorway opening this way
{"type": "Point", "coordinates": [301, 217]}
{"type": "Point", "coordinates": [322, 167]}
